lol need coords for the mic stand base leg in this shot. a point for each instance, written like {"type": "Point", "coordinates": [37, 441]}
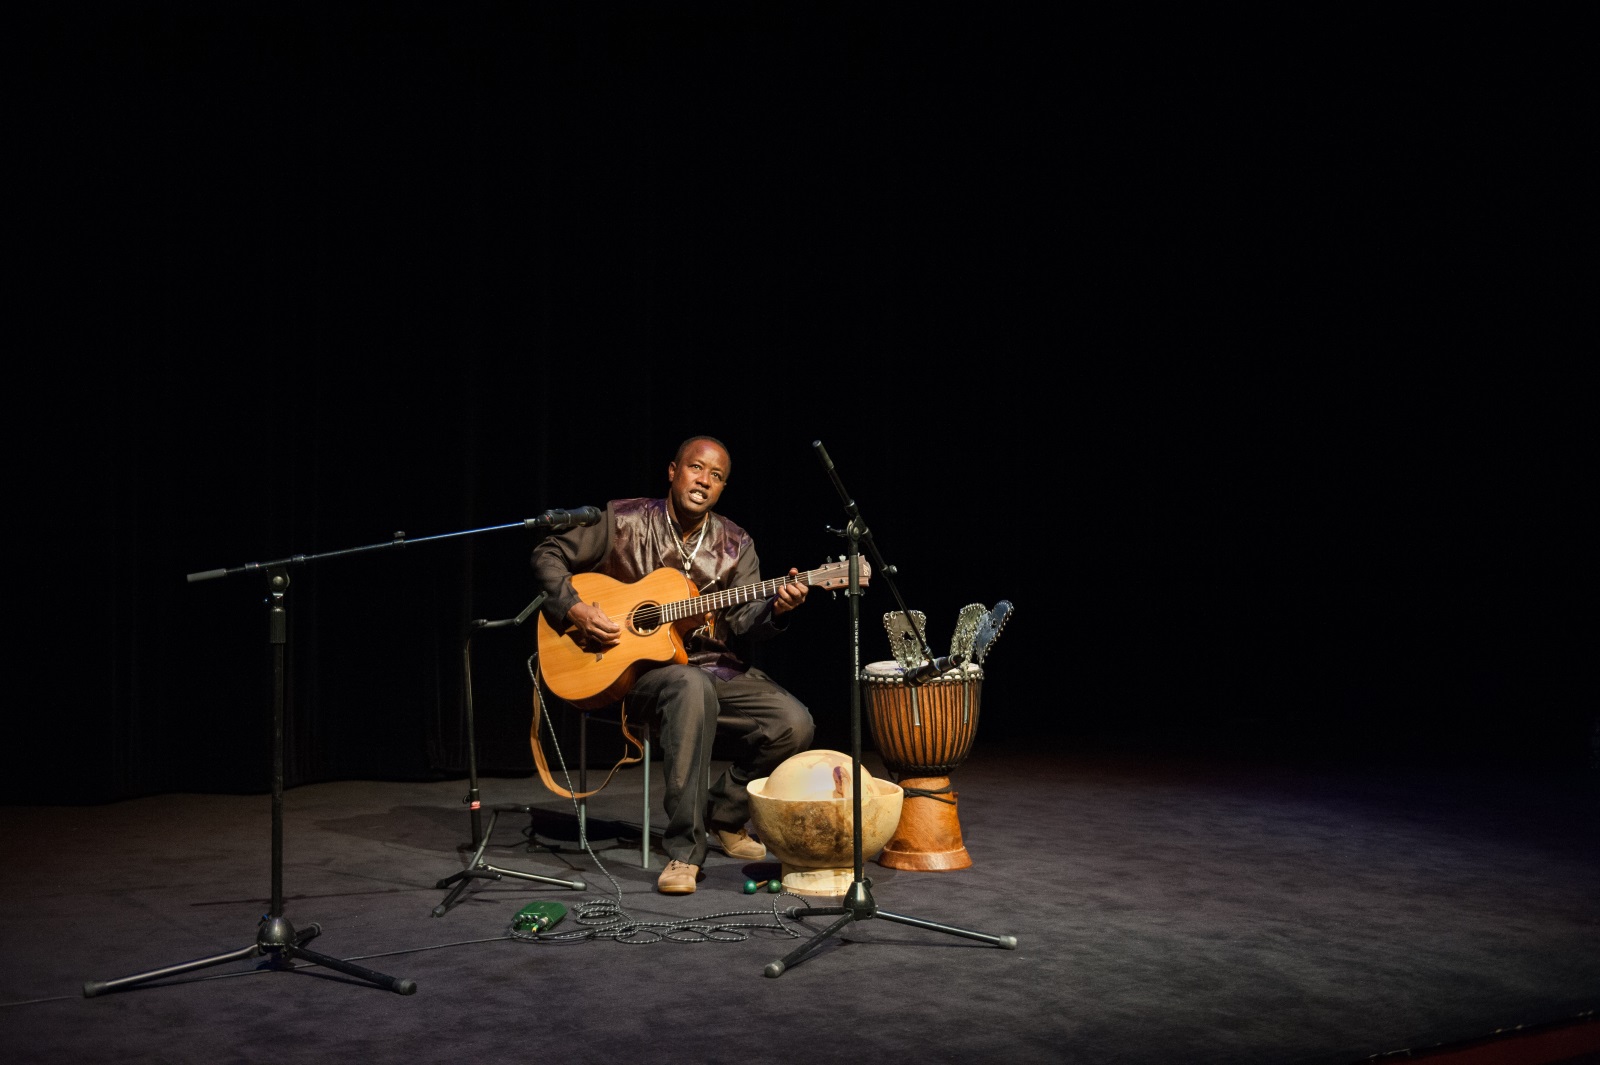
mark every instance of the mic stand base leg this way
{"type": "Point", "coordinates": [478, 869]}
{"type": "Point", "coordinates": [91, 988]}
{"type": "Point", "coordinates": [776, 969]}
{"type": "Point", "coordinates": [1007, 942]}
{"type": "Point", "coordinates": [859, 906]}
{"type": "Point", "coordinates": [276, 937]}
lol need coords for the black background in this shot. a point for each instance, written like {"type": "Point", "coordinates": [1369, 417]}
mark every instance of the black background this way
{"type": "Point", "coordinates": [1242, 363]}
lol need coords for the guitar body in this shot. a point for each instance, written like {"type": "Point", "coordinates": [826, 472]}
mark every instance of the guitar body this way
{"type": "Point", "coordinates": [656, 613]}
{"type": "Point", "coordinates": [590, 679]}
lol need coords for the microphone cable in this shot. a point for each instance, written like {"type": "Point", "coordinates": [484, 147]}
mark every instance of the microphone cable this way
{"type": "Point", "coordinates": [608, 918]}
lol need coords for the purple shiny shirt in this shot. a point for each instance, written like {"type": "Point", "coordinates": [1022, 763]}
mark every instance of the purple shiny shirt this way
{"type": "Point", "coordinates": [635, 538]}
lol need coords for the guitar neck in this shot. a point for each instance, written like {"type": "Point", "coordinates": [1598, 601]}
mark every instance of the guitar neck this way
{"type": "Point", "coordinates": [745, 593]}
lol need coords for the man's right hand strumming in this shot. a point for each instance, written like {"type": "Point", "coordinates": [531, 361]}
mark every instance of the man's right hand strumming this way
{"type": "Point", "coordinates": [591, 627]}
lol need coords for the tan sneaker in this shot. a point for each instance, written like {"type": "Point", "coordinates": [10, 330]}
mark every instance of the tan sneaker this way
{"type": "Point", "coordinates": [740, 845]}
{"type": "Point", "coordinates": [678, 878]}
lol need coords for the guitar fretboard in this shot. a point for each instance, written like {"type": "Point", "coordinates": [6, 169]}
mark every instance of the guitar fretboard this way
{"type": "Point", "coordinates": [745, 593]}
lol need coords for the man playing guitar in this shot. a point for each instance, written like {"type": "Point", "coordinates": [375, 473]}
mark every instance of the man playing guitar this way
{"type": "Point", "coordinates": [643, 604]}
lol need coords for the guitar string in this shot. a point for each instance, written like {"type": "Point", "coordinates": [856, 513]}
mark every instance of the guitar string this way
{"type": "Point", "coordinates": [679, 609]}
{"type": "Point", "coordinates": [744, 593]}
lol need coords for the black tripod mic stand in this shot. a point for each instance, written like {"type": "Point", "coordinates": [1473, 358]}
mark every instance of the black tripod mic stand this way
{"type": "Point", "coordinates": [477, 868]}
{"type": "Point", "coordinates": [275, 936]}
{"type": "Point", "coordinates": [859, 904]}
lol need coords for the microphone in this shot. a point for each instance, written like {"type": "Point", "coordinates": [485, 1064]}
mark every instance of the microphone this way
{"type": "Point", "coordinates": [928, 670]}
{"type": "Point", "coordinates": [562, 520]}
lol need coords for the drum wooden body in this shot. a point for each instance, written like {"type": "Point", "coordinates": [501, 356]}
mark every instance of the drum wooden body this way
{"type": "Point", "coordinates": [924, 732]}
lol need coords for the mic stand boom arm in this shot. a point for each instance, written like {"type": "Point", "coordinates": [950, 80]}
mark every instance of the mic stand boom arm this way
{"type": "Point", "coordinates": [549, 521]}
{"type": "Point", "coordinates": [931, 667]}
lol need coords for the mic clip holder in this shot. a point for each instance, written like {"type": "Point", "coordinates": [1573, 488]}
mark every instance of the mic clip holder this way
{"type": "Point", "coordinates": [920, 675]}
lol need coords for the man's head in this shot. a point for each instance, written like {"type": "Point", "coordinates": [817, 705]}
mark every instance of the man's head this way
{"type": "Point", "coordinates": [696, 477]}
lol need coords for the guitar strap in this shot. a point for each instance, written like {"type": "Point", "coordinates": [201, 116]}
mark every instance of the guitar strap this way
{"type": "Point", "coordinates": [630, 741]}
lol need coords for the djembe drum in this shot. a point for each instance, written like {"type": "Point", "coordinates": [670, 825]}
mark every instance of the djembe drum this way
{"type": "Point", "coordinates": [924, 732]}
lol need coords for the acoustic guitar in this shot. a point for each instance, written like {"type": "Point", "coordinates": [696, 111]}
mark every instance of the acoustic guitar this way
{"type": "Point", "coordinates": [656, 613]}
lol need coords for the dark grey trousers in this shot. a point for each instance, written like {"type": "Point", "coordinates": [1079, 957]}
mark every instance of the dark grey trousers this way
{"type": "Point", "coordinates": [690, 706]}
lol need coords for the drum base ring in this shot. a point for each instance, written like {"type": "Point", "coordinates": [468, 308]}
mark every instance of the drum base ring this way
{"type": "Point", "coordinates": [928, 836]}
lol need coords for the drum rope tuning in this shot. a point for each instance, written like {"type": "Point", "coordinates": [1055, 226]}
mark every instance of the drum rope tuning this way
{"type": "Point", "coordinates": [938, 795]}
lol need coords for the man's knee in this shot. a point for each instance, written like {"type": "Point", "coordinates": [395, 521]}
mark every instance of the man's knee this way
{"type": "Point", "coordinates": [682, 680]}
{"type": "Point", "coordinates": [675, 686]}
{"type": "Point", "coordinates": [800, 732]}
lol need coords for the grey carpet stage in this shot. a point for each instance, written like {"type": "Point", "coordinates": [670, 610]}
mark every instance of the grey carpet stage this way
{"type": "Point", "coordinates": [1164, 911]}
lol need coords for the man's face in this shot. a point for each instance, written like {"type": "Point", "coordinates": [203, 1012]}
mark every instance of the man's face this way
{"type": "Point", "coordinates": [697, 479]}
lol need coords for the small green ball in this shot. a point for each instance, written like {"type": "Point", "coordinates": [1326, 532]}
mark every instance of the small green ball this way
{"type": "Point", "coordinates": [749, 887]}
{"type": "Point", "coordinates": [774, 886]}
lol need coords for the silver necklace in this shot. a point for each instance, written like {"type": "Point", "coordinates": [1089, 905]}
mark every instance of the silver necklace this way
{"type": "Point", "coordinates": [688, 556]}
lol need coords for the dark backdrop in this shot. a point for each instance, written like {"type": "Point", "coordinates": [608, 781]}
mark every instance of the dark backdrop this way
{"type": "Point", "coordinates": [1242, 371]}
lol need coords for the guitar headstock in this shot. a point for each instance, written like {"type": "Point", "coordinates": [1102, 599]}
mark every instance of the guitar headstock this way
{"type": "Point", "coordinates": [836, 575]}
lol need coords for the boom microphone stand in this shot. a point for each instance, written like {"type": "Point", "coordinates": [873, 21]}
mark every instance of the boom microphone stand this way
{"type": "Point", "coordinates": [858, 901]}
{"type": "Point", "coordinates": [477, 868]}
{"type": "Point", "coordinates": [275, 936]}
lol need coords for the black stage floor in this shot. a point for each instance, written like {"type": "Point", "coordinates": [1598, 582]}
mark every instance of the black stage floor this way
{"type": "Point", "coordinates": [1165, 910]}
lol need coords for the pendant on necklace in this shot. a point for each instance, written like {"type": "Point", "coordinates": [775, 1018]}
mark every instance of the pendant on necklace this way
{"type": "Point", "coordinates": [689, 556]}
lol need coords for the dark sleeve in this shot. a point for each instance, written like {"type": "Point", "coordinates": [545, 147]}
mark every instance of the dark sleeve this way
{"type": "Point", "coordinates": [754, 620]}
{"type": "Point", "coordinates": [556, 558]}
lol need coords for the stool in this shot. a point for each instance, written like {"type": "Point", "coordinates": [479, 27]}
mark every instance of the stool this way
{"type": "Point", "coordinates": [612, 715]}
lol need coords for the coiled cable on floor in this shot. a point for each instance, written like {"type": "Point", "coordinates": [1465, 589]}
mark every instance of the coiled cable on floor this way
{"type": "Point", "coordinates": [608, 918]}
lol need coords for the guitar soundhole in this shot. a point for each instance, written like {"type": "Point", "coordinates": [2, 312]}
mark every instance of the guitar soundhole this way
{"type": "Point", "coordinates": [646, 618]}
